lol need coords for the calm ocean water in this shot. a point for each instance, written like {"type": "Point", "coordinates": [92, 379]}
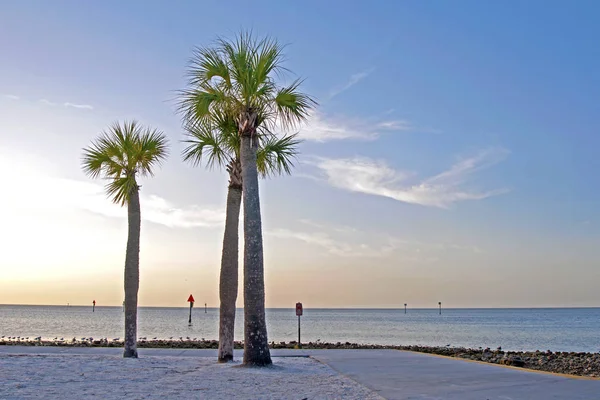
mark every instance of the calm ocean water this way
{"type": "Point", "coordinates": [558, 329]}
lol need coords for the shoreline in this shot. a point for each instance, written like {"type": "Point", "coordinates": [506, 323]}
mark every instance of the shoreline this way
{"type": "Point", "coordinates": [391, 308]}
{"type": "Point", "coordinates": [570, 363]}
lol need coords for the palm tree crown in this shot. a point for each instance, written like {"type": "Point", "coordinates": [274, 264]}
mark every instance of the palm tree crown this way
{"type": "Point", "coordinates": [121, 153]}
{"type": "Point", "coordinates": [235, 78]}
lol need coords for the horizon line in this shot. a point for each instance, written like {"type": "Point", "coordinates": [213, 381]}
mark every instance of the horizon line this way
{"type": "Point", "coordinates": [401, 307]}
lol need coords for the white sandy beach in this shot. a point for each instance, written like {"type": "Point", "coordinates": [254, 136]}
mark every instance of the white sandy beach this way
{"type": "Point", "coordinates": [52, 372]}
{"type": "Point", "coordinates": [112, 377]}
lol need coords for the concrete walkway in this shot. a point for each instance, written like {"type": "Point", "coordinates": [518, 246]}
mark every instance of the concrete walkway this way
{"type": "Point", "coordinates": [402, 375]}
{"type": "Point", "coordinates": [405, 375]}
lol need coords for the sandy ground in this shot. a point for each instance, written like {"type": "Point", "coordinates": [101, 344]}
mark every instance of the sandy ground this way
{"type": "Point", "coordinates": [161, 377]}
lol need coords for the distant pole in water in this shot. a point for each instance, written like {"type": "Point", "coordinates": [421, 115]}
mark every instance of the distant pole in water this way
{"type": "Point", "coordinates": [299, 314]}
{"type": "Point", "coordinates": [440, 304]}
{"type": "Point", "coordinates": [205, 308]}
{"type": "Point", "coordinates": [405, 308]}
{"type": "Point", "coordinates": [191, 301]}
{"type": "Point", "coordinates": [94, 306]}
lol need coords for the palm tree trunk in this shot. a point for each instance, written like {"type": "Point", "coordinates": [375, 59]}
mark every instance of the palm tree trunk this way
{"type": "Point", "coordinates": [256, 345]}
{"type": "Point", "coordinates": [132, 273]}
{"type": "Point", "coordinates": [228, 286]}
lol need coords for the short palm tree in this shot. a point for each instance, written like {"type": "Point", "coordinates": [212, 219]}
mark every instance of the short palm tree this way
{"type": "Point", "coordinates": [121, 155]}
{"type": "Point", "coordinates": [237, 78]}
{"type": "Point", "coordinates": [218, 144]}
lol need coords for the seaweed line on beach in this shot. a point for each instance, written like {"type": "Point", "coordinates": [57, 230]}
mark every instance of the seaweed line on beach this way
{"type": "Point", "coordinates": [572, 363]}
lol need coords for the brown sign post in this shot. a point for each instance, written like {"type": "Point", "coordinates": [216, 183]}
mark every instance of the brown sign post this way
{"type": "Point", "coordinates": [299, 314]}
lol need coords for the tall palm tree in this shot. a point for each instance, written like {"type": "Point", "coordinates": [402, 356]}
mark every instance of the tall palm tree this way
{"type": "Point", "coordinates": [218, 144]}
{"type": "Point", "coordinates": [120, 155]}
{"type": "Point", "coordinates": [237, 78]}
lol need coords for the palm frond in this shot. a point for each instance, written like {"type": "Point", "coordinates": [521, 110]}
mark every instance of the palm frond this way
{"type": "Point", "coordinates": [267, 59]}
{"type": "Point", "coordinates": [275, 156]}
{"type": "Point", "coordinates": [293, 106]}
{"type": "Point", "coordinates": [120, 153]}
{"type": "Point", "coordinates": [95, 161]}
{"type": "Point", "coordinates": [239, 54]}
{"type": "Point", "coordinates": [152, 149]}
{"type": "Point", "coordinates": [119, 189]}
{"type": "Point", "coordinates": [227, 127]}
{"type": "Point", "coordinates": [103, 157]}
{"type": "Point", "coordinates": [122, 145]}
{"type": "Point", "coordinates": [203, 142]}
{"type": "Point", "coordinates": [206, 64]}
{"type": "Point", "coordinates": [204, 100]}
{"type": "Point", "coordinates": [196, 104]}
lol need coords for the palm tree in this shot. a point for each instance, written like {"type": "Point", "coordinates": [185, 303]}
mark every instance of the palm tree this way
{"type": "Point", "coordinates": [219, 145]}
{"type": "Point", "coordinates": [120, 155]}
{"type": "Point", "coordinates": [236, 78]}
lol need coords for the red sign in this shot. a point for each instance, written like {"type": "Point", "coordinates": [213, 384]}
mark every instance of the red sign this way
{"type": "Point", "coordinates": [298, 309]}
{"type": "Point", "coordinates": [191, 299]}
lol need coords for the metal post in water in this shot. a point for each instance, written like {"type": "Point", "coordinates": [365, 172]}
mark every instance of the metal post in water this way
{"type": "Point", "coordinates": [299, 314]}
{"type": "Point", "coordinates": [299, 342]}
{"type": "Point", "coordinates": [405, 308]}
{"type": "Point", "coordinates": [205, 308]}
{"type": "Point", "coordinates": [440, 304]}
{"type": "Point", "coordinates": [94, 306]}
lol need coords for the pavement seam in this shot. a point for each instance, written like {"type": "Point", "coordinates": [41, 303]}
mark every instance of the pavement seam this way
{"type": "Point", "coordinates": [373, 390]}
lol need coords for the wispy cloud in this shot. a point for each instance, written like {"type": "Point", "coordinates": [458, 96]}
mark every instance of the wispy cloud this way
{"type": "Point", "coordinates": [161, 211]}
{"type": "Point", "coordinates": [340, 229]}
{"type": "Point", "coordinates": [68, 194]}
{"type": "Point", "coordinates": [333, 246]}
{"type": "Point", "coordinates": [350, 242]}
{"type": "Point", "coordinates": [91, 197]}
{"type": "Point", "coordinates": [395, 125]}
{"type": "Point", "coordinates": [35, 189]}
{"type": "Point", "coordinates": [67, 104]}
{"type": "Point", "coordinates": [354, 79]}
{"type": "Point", "coordinates": [80, 106]}
{"type": "Point", "coordinates": [374, 177]}
{"type": "Point", "coordinates": [11, 96]}
{"type": "Point", "coordinates": [322, 128]}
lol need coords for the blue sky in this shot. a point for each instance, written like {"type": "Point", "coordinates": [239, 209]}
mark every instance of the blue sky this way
{"type": "Point", "coordinates": [453, 154]}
